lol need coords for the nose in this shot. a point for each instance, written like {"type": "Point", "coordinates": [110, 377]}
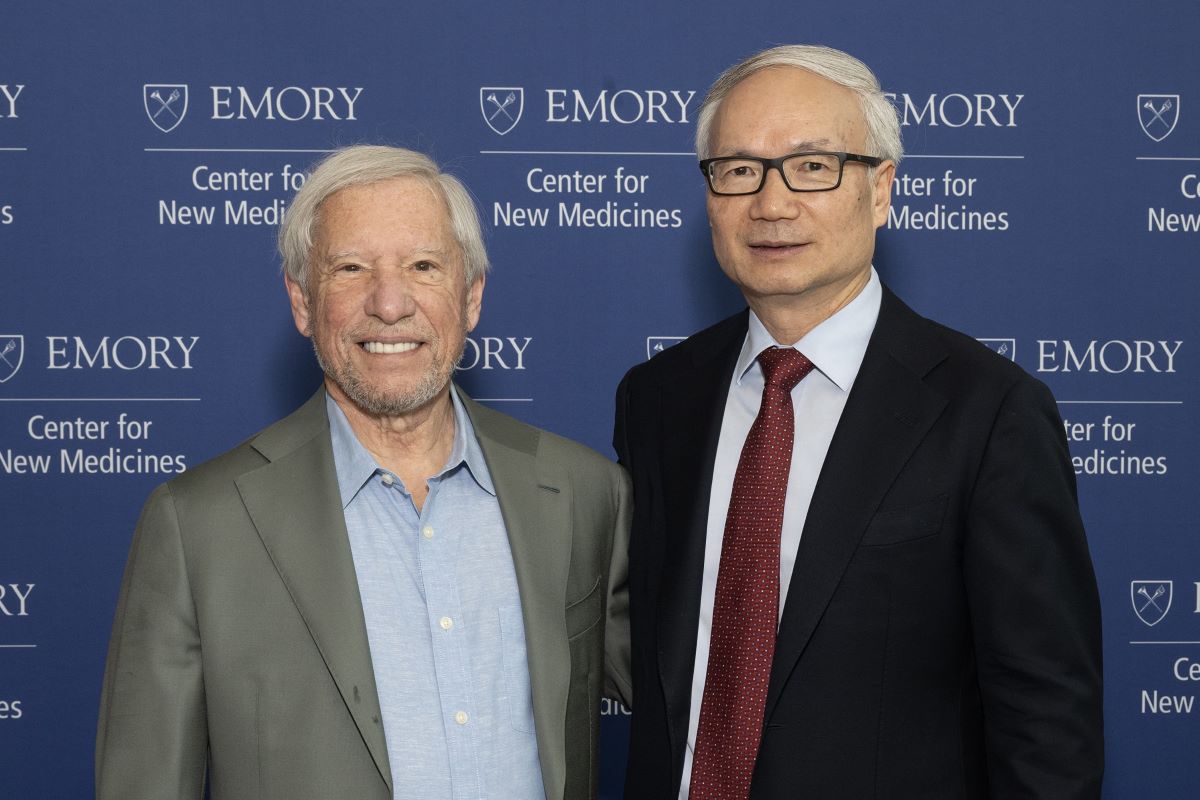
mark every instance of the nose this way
{"type": "Point", "coordinates": [775, 200]}
{"type": "Point", "coordinates": [390, 298]}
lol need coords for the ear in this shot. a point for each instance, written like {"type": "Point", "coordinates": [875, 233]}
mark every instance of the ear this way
{"type": "Point", "coordinates": [475, 302]}
{"type": "Point", "coordinates": [881, 195]}
{"type": "Point", "coordinates": [301, 313]}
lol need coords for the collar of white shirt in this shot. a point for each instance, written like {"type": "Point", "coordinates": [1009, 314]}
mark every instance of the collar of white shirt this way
{"type": "Point", "coordinates": [835, 347]}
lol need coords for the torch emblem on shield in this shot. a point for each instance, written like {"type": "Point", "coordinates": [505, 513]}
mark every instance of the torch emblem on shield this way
{"type": "Point", "coordinates": [501, 107]}
{"type": "Point", "coordinates": [1151, 600]}
{"type": "Point", "coordinates": [166, 104]}
{"type": "Point", "coordinates": [12, 353]}
{"type": "Point", "coordinates": [1158, 114]}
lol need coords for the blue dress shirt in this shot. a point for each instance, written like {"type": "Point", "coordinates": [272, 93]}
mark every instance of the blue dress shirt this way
{"type": "Point", "coordinates": [443, 615]}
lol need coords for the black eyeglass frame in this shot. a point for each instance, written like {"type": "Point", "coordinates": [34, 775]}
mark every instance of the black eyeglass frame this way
{"type": "Point", "coordinates": [777, 164]}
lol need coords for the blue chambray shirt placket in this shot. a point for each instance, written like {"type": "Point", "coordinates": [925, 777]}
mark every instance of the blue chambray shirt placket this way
{"type": "Point", "coordinates": [437, 545]}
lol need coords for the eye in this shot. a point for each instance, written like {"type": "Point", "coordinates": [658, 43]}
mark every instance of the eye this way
{"type": "Point", "coordinates": [349, 267]}
{"type": "Point", "coordinates": [726, 170]}
{"type": "Point", "coordinates": [424, 266]}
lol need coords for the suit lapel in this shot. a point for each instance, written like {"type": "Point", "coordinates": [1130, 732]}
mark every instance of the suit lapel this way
{"type": "Point", "coordinates": [693, 406]}
{"type": "Point", "coordinates": [535, 501]}
{"type": "Point", "coordinates": [295, 506]}
{"type": "Point", "coordinates": [888, 413]}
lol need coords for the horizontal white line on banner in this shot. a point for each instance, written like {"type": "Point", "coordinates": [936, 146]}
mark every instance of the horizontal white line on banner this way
{"type": "Point", "coordinates": [18, 646]}
{"type": "Point", "coordinates": [1164, 642]}
{"type": "Point", "coordinates": [1167, 158]}
{"type": "Point", "coordinates": [14, 149]}
{"type": "Point", "coordinates": [231, 150]}
{"type": "Point", "coordinates": [945, 155]}
{"type": "Point", "coordinates": [1121, 402]}
{"type": "Point", "coordinates": [503, 399]}
{"type": "Point", "coordinates": [576, 153]}
{"type": "Point", "coordinates": [99, 399]}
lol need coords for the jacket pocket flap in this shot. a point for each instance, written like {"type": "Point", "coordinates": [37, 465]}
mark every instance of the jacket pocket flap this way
{"type": "Point", "coordinates": [584, 612]}
{"type": "Point", "coordinates": [893, 526]}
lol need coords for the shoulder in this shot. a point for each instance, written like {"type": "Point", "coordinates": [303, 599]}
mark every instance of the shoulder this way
{"type": "Point", "coordinates": [218, 475]}
{"type": "Point", "coordinates": [946, 355]}
{"type": "Point", "coordinates": [496, 428]}
{"type": "Point", "coordinates": [722, 340]}
{"type": "Point", "coordinates": [199, 498]}
{"type": "Point", "coordinates": [971, 377]}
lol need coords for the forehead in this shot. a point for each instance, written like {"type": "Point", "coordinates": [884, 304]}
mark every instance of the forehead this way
{"type": "Point", "coordinates": [784, 108]}
{"type": "Point", "coordinates": [401, 208]}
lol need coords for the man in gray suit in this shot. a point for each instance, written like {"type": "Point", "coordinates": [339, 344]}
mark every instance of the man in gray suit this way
{"type": "Point", "coordinates": [393, 592]}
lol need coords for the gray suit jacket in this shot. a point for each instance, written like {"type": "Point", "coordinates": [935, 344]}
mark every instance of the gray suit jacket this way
{"type": "Point", "coordinates": [239, 650]}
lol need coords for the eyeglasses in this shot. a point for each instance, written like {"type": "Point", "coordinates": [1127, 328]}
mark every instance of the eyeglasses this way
{"type": "Point", "coordinates": [802, 172]}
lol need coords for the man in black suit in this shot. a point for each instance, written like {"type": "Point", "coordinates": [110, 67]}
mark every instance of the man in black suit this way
{"type": "Point", "coordinates": [932, 621]}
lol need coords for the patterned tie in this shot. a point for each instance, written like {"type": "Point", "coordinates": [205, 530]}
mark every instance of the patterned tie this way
{"type": "Point", "coordinates": [746, 609]}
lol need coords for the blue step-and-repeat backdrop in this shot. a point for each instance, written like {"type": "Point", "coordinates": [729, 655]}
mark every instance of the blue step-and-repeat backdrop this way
{"type": "Point", "coordinates": [1049, 205]}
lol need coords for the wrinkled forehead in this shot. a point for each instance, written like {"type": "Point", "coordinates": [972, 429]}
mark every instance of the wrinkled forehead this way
{"type": "Point", "coordinates": [388, 222]}
{"type": "Point", "coordinates": [400, 208]}
{"type": "Point", "coordinates": [412, 190]}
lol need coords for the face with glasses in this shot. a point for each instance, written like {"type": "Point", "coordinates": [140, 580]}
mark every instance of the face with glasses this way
{"type": "Point", "coordinates": [793, 202]}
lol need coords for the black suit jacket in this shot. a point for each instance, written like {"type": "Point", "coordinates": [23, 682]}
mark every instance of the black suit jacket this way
{"type": "Point", "coordinates": [941, 635]}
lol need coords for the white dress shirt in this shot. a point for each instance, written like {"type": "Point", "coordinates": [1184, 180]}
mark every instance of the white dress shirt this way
{"type": "Point", "coordinates": [836, 348]}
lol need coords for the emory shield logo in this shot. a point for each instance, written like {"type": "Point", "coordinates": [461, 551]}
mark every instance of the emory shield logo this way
{"type": "Point", "coordinates": [12, 353]}
{"type": "Point", "coordinates": [501, 107]}
{"type": "Point", "coordinates": [1151, 600]}
{"type": "Point", "coordinates": [656, 344]}
{"type": "Point", "coordinates": [166, 104]}
{"type": "Point", "coordinates": [1004, 347]}
{"type": "Point", "coordinates": [1158, 114]}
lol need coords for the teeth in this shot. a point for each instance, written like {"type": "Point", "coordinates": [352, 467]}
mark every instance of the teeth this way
{"type": "Point", "coordinates": [386, 348]}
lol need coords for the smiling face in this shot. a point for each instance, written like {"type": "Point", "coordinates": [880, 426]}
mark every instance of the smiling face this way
{"type": "Point", "coordinates": [388, 307]}
{"type": "Point", "coordinates": [783, 247]}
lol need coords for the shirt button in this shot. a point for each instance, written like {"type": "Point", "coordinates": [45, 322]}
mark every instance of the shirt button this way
{"type": "Point", "coordinates": [461, 717]}
{"type": "Point", "coordinates": [427, 531]}
{"type": "Point", "coordinates": [446, 623]}
{"type": "Point", "coordinates": [387, 479]}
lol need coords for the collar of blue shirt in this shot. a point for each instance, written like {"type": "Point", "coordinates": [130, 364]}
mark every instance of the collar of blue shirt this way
{"type": "Point", "coordinates": [355, 465]}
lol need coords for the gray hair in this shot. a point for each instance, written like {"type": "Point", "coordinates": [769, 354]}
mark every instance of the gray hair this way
{"type": "Point", "coordinates": [361, 165]}
{"type": "Point", "coordinates": [883, 124]}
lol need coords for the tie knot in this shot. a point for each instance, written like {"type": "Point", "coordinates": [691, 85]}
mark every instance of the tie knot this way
{"type": "Point", "coordinates": [783, 367]}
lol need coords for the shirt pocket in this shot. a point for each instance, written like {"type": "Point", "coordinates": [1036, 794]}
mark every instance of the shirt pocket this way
{"type": "Point", "coordinates": [516, 668]}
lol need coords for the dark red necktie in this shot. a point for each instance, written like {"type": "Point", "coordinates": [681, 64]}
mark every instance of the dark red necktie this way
{"type": "Point", "coordinates": [746, 608]}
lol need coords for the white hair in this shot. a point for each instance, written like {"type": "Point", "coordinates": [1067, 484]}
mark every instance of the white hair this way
{"type": "Point", "coordinates": [361, 165]}
{"type": "Point", "coordinates": [883, 124]}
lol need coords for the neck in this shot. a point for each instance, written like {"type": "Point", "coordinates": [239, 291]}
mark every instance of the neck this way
{"type": "Point", "coordinates": [789, 318]}
{"type": "Point", "coordinates": [413, 445]}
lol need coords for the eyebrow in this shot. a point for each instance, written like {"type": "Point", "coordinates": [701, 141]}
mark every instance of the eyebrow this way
{"type": "Point", "coordinates": [330, 258]}
{"type": "Point", "coordinates": [795, 147]}
{"type": "Point", "coordinates": [338, 256]}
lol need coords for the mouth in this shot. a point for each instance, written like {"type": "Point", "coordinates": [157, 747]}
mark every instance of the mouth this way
{"type": "Point", "coordinates": [388, 348]}
{"type": "Point", "coordinates": [772, 247]}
